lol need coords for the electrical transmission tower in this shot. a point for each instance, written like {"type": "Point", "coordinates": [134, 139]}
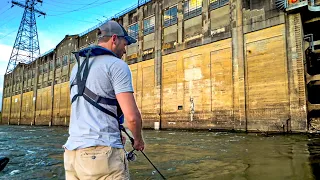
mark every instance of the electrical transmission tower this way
{"type": "Point", "coordinates": [26, 46]}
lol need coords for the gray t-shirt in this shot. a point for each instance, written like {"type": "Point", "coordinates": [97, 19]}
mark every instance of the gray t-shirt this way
{"type": "Point", "coordinates": [89, 126]}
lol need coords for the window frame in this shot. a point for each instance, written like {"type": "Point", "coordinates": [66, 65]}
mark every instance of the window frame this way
{"type": "Point", "coordinates": [191, 13]}
{"type": "Point", "coordinates": [136, 32]}
{"type": "Point", "coordinates": [45, 68]}
{"type": "Point", "coordinates": [41, 69]}
{"type": "Point", "coordinates": [173, 19]}
{"type": "Point", "coordinates": [72, 59]}
{"type": "Point", "coordinates": [151, 28]}
{"type": "Point", "coordinates": [58, 63]}
{"type": "Point", "coordinates": [65, 60]}
{"type": "Point", "coordinates": [217, 4]}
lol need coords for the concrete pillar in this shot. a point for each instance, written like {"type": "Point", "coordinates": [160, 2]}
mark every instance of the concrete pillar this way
{"type": "Point", "coordinates": [158, 56]}
{"type": "Point", "coordinates": [205, 20]}
{"type": "Point", "coordinates": [158, 43]}
{"type": "Point", "coordinates": [35, 92]}
{"type": "Point", "coordinates": [52, 87]}
{"type": "Point", "coordinates": [3, 95]}
{"type": "Point", "coordinates": [180, 22]}
{"type": "Point", "coordinates": [239, 99]}
{"type": "Point", "coordinates": [21, 93]}
{"type": "Point", "coordinates": [125, 26]}
{"type": "Point", "coordinates": [11, 94]}
{"type": "Point", "coordinates": [140, 38]}
{"type": "Point", "coordinates": [298, 107]}
{"type": "Point", "coordinates": [48, 65]}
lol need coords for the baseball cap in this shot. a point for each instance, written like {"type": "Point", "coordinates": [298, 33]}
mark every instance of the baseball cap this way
{"type": "Point", "coordinates": [112, 27]}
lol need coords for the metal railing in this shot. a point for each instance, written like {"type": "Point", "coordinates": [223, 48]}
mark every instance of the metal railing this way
{"type": "Point", "coordinates": [141, 3]}
{"type": "Point", "coordinates": [48, 52]}
{"type": "Point", "coordinates": [121, 13]}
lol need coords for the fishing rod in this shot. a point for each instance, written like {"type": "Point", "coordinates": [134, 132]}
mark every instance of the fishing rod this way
{"type": "Point", "coordinates": [132, 142]}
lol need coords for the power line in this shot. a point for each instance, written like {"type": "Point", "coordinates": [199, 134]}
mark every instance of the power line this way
{"type": "Point", "coordinates": [82, 8]}
{"type": "Point", "coordinates": [4, 6]}
{"type": "Point", "coordinates": [8, 21]}
{"type": "Point", "coordinates": [6, 10]}
{"type": "Point", "coordinates": [77, 20]}
{"type": "Point", "coordinates": [76, 4]}
{"type": "Point", "coordinates": [7, 34]}
{"type": "Point", "coordinates": [78, 9]}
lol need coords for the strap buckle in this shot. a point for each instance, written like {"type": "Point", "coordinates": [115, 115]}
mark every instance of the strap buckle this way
{"type": "Point", "coordinates": [97, 99]}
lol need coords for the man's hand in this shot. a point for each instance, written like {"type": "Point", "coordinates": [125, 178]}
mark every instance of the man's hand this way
{"type": "Point", "coordinates": [133, 117]}
{"type": "Point", "coordinates": [138, 145]}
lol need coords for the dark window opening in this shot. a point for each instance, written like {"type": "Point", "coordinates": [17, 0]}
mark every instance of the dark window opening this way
{"type": "Point", "coordinates": [313, 92]}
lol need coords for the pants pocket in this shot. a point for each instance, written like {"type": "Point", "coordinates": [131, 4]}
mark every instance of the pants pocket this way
{"type": "Point", "coordinates": [94, 161]}
{"type": "Point", "coordinates": [69, 159]}
{"type": "Point", "coordinates": [118, 164]}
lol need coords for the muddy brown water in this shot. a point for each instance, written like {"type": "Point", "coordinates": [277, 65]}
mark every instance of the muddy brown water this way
{"type": "Point", "coordinates": [36, 153]}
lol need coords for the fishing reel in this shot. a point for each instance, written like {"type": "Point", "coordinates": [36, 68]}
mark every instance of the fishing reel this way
{"type": "Point", "coordinates": [131, 156]}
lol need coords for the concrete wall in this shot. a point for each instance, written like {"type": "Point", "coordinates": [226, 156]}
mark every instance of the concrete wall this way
{"type": "Point", "coordinates": [232, 66]}
{"type": "Point", "coordinates": [268, 103]}
{"type": "Point", "coordinates": [196, 87]}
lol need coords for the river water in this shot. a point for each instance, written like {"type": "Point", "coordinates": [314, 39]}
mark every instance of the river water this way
{"type": "Point", "coordinates": [36, 153]}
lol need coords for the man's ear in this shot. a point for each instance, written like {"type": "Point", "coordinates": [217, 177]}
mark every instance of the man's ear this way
{"type": "Point", "coordinates": [114, 39]}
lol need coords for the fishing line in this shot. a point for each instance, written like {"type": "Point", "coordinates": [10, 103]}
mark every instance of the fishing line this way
{"type": "Point", "coordinates": [132, 142]}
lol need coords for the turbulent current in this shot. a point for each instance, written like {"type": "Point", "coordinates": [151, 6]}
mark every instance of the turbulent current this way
{"type": "Point", "coordinates": [36, 153]}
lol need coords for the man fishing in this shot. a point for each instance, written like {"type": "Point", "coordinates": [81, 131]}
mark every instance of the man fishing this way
{"type": "Point", "coordinates": [101, 93]}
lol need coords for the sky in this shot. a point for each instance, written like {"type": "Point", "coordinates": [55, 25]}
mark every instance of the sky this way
{"type": "Point", "coordinates": [63, 18]}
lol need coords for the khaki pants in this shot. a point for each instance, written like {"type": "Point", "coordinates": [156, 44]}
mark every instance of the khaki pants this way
{"type": "Point", "coordinates": [99, 162]}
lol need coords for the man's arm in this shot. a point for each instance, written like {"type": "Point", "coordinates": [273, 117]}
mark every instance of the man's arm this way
{"type": "Point", "coordinates": [133, 117]}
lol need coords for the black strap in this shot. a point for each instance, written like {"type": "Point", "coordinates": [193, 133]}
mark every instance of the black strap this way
{"type": "Point", "coordinates": [96, 98]}
{"type": "Point", "coordinates": [99, 107]}
{"type": "Point", "coordinates": [88, 95]}
{"type": "Point", "coordinates": [82, 82]}
{"type": "Point", "coordinates": [100, 99]}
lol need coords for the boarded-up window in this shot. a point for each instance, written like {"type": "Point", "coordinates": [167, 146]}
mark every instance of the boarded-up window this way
{"type": "Point", "coordinates": [133, 30]}
{"type": "Point", "coordinates": [192, 8]}
{"type": "Point", "coordinates": [170, 16]}
{"type": "Point", "coordinates": [148, 25]}
{"type": "Point", "coordinates": [214, 4]}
